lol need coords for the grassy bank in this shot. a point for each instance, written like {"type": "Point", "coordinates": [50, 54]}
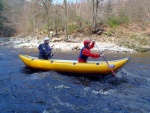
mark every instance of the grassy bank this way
{"type": "Point", "coordinates": [132, 37]}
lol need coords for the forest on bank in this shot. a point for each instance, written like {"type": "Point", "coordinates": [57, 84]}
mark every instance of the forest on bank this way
{"type": "Point", "coordinates": [43, 17]}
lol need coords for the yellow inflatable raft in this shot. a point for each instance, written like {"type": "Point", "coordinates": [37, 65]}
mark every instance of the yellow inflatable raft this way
{"type": "Point", "coordinates": [72, 66]}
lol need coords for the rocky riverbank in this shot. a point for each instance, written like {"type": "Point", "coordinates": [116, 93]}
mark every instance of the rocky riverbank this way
{"type": "Point", "coordinates": [33, 42]}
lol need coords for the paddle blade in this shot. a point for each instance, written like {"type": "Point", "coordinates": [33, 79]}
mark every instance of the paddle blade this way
{"type": "Point", "coordinates": [112, 66]}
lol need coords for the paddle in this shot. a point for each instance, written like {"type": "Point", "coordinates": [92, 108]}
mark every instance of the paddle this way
{"type": "Point", "coordinates": [106, 62]}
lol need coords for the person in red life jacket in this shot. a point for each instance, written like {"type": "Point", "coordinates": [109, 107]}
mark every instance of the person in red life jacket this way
{"type": "Point", "coordinates": [85, 51]}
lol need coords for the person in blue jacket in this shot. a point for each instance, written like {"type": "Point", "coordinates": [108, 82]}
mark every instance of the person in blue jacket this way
{"type": "Point", "coordinates": [45, 50]}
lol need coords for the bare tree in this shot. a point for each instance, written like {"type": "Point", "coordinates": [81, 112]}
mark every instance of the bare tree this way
{"type": "Point", "coordinates": [27, 16]}
{"type": "Point", "coordinates": [78, 7]}
{"type": "Point", "coordinates": [96, 7]}
{"type": "Point", "coordinates": [12, 11]}
{"type": "Point", "coordinates": [148, 9]}
{"type": "Point", "coordinates": [66, 18]}
{"type": "Point", "coordinates": [48, 5]}
{"type": "Point", "coordinates": [137, 10]}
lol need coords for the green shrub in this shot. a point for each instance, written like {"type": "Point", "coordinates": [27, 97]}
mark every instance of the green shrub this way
{"type": "Point", "coordinates": [114, 21]}
{"type": "Point", "coordinates": [73, 28]}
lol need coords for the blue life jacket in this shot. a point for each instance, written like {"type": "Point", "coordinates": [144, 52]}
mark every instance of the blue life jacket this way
{"type": "Point", "coordinates": [44, 51]}
{"type": "Point", "coordinates": [83, 56]}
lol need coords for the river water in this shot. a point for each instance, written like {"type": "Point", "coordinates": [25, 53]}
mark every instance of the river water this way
{"type": "Point", "coordinates": [23, 90]}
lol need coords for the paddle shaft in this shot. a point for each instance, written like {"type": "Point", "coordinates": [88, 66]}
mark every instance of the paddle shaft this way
{"type": "Point", "coordinates": [107, 62]}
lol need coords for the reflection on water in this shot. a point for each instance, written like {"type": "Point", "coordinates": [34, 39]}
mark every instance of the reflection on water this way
{"type": "Point", "coordinates": [55, 92]}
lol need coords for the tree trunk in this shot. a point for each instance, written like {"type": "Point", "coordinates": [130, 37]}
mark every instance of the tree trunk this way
{"type": "Point", "coordinates": [93, 7]}
{"type": "Point", "coordinates": [95, 10]}
{"type": "Point", "coordinates": [66, 19]}
{"type": "Point", "coordinates": [47, 8]}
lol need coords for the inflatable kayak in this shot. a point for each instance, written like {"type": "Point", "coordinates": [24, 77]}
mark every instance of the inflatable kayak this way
{"type": "Point", "coordinates": [72, 66]}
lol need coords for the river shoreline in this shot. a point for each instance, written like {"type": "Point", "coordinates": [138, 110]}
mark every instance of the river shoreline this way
{"type": "Point", "coordinates": [33, 42]}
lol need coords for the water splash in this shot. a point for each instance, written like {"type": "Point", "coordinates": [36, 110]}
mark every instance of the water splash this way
{"type": "Point", "coordinates": [60, 87]}
{"type": "Point", "coordinates": [102, 92]}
